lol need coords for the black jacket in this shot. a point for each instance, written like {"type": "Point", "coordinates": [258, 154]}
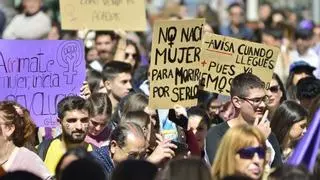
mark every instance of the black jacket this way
{"type": "Point", "coordinates": [216, 133]}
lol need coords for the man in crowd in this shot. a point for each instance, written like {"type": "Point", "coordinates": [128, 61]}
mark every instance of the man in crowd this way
{"type": "Point", "coordinates": [249, 98]}
{"type": "Point", "coordinates": [73, 116]}
{"type": "Point", "coordinates": [304, 51]}
{"type": "Point", "coordinates": [31, 24]}
{"type": "Point", "coordinates": [127, 141]}
{"type": "Point", "coordinates": [117, 80]}
{"type": "Point", "coordinates": [236, 28]}
{"type": "Point", "coordinates": [105, 42]}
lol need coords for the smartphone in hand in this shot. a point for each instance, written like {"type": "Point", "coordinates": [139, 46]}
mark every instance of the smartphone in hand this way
{"type": "Point", "coordinates": [182, 148]}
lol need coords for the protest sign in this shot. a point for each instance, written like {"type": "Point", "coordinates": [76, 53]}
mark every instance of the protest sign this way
{"type": "Point", "coordinates": [222, 58]}
{"type": "Point", "coordinates": [103, 14]}
{"type": "Point", "coordinates": [174, 67]}
{"type": "Point", "coordinates": [38, 74]}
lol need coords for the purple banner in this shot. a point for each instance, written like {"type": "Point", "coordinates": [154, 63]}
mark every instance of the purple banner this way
{"type": "Point", "coordinates": [38, 74]}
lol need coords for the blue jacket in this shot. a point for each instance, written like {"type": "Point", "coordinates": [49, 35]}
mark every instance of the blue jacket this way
{"type": "Point", "coordinates": [103, 156]}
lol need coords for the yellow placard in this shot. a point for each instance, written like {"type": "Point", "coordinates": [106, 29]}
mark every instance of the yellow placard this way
{"type": "Point", "coordinates": [223, 58]}
{"type": "Point", "coordinates": [174, 68]}
{"type": "Point", "coordinates": [103, 14]}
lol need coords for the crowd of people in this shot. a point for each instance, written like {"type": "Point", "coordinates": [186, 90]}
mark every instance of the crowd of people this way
{"type": "Point", "coordinates": [110, 132]}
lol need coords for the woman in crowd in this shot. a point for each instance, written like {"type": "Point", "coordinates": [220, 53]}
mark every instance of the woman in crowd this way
{"type": "Point", "coordinates": [185, 169]}
{"type": "Point", "coordinates": [242, 152]}
{"type": "Point", "coordinates": [100, 113]}
{"type": "Point", "coordinates": [30, 131]}
{"type": "Point", "coordinates": [95, 82]}
{"type": "Point", "coordinates": [92, 84]}
{"type": "Point", "coordinates": [127, 51]}
{"type": "Point", "coordinates": [198, 125]}
{"type": "Point", "coordinates": [13, 136]}
{"type": "Point", "coordinates": [276, 93]}
{"type": "Point", "coordinates": [132, 54]}
{"type": "Point", "coordinates": [289, 123]}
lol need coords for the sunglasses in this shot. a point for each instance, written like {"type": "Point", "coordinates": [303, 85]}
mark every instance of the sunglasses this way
{"type": "Point", "coordinates": [274, 89]}
{"type": "Point", "coordinates": [134, 56]}
{"type": "Point", "coordinates": [249, 152]}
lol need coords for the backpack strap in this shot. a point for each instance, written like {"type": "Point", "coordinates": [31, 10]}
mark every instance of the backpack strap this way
{"type": "Point", "coordinates": [44, 146]}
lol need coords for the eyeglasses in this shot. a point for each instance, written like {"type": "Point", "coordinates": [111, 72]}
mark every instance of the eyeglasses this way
{"type": "Point", "coordinates": [249, 152]}
{"type": "Point", "coordinates": [256, 101]}
{"type": "Point", "coordinates": [274, 89]}
{"type": "Point", "coordinates": [134, 155]}
{"type": "Point", "coordinates": [134, 56]}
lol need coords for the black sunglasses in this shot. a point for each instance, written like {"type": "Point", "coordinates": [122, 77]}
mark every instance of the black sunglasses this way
{"type": "Point", "coordinates": [249, 152]}
{"type": "Point", "coordinates": [274, 89]}
{"type": "Point", "coordinates": [133, 55]}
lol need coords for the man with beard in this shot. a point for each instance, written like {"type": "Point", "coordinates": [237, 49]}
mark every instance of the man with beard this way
{"type": "Point", "coordinates": [105, 42]}
{"type": "Point", "coordinates": [73, 115]}
{"type": "Point", "coordinates": [249, 99]}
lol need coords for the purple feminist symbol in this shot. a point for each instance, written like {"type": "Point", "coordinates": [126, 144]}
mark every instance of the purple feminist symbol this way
{"type": "Point", "coordinates": [69, 58]}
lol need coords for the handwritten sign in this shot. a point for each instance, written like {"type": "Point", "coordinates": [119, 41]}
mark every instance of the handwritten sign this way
{"type": "Point", "coordinates": [103, 14]}
{"type": "Point", "coordinates": [223, 58]}
{"type": "Point", "coordinates": [174, 68]}
{"type": "Point", "coordinates": [38, 74]}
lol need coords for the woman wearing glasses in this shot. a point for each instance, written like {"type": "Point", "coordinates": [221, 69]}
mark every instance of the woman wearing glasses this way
{"type": "Point", "coordinates": [128, 51]}
{"type": "Point", "coordinates": [289, 123]}
{"type": "Point", "coordinates": [276, 94]}
{"type": "Point", "coordinates": [132, 54]}
{"type": "Point", "coordinates": [242, 152]}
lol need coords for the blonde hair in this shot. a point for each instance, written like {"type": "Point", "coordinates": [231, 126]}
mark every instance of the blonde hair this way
{"type": "Point", "coordinates": [236, 138]}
